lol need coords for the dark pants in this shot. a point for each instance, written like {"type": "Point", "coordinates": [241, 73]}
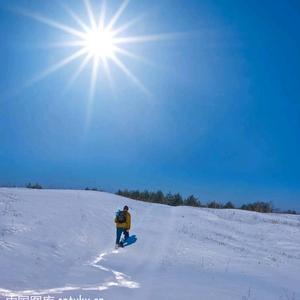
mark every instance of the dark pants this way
{"type": "Point", "coordinates": [119, 234]}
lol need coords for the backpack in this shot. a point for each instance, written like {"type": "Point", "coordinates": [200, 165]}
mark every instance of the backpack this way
{"type": "Point", "coordinates": [121, 216]}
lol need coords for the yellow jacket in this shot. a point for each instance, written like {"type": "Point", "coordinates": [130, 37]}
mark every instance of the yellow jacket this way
{"type": "Point", "coordinates": [125, 225]}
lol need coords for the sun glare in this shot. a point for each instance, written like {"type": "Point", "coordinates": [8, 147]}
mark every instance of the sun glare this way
{"type": "Point", "coordinates": [96, 41]}
{"type": "Point", "coordinates": [99, 43]}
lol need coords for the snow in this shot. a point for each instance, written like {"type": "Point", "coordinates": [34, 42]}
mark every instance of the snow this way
{"type": "Point", "coordinates": [61, 243]}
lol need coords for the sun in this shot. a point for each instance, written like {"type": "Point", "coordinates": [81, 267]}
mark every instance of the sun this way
{"type": "Point", "coordinates": [99, 43]}
{"type": "Point", "coordinates": [96, 41]}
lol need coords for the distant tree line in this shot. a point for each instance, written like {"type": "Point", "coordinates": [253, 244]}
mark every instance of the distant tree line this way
{"type": "Point", "coordinates": [160, 197]}
{"type": "Point", "coordinates": [34, 186]}
{"type": "Point", "coordinates": [290, 211]}
{"type": "Point", "coordinates": [39, 187]}
{"type": "Point", "coordinates": [264, 207]}
{"type": "Point", "coordinates": [92, 189]}
{"type": "Point", "coordinates": [177, 200]}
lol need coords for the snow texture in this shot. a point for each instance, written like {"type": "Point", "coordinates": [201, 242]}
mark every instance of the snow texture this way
{"type": "Point", "coordinates": [61, 243]}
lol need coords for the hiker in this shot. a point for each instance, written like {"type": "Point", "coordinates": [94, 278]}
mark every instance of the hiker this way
{"type": "Point", "coordinates": [123, 222]}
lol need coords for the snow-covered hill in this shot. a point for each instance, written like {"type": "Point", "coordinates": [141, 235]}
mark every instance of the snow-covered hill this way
{"type": "Point", "coordinates": [61, 243]}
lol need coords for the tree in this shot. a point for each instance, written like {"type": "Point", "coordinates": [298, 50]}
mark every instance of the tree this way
{"type": "Point", "coordinates": [34, 186]}
{"type": "Point", "coordinates": [263, 207]}
{"type": "Point", "coordinates": [191, 201]}
{"type": "Point", "coordinates": [158, 197]}
{"type": "Point", "coordinates": [292, 212]}
{"type": "Point", "coordinates": [214, 204]}
{"type": "Point", "coordinates": [178, 200]}
{"type": "Point", "coordinates": [145, 196]}
{"type": "Point", "coordinates": [173, 200]}
{"type": "Point", "coordinates": [229, 205]}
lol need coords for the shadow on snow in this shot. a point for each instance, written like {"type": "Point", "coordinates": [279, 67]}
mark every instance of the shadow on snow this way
{"type": "Point", "coordinates": [131, 240]}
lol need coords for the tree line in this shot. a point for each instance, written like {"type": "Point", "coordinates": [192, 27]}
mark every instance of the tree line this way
{"type": "Point", "coordinates": [177, 200]}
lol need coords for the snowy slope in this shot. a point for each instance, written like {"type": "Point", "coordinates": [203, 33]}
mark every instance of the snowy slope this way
{"type": "Point", "coordinates": [60, 243]}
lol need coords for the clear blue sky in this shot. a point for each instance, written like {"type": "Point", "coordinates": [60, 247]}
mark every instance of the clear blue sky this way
{"type": "Point", "coordinates": [223, 121]}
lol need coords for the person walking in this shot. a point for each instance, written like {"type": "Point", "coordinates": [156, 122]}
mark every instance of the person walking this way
{"type": "Point", "coordinates": [123, 224]}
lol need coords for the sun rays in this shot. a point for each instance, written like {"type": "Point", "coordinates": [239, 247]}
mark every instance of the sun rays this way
{"type": "Point", "coordinates": [96, 41]}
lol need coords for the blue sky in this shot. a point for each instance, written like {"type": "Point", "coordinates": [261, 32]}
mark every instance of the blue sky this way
{"type": "Point", "coordinates": [222, 121]}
